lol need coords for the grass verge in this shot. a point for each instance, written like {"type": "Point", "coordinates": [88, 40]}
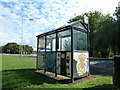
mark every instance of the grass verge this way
{"type": "Point", "coordinates": [20, 73]}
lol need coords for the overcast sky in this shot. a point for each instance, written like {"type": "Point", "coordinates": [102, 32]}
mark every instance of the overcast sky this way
{"type": "Point", "coordinates": [38, 16]}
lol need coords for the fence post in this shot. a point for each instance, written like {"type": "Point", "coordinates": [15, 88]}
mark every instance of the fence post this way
{"type": "Point", "coordinates": [116, 70]}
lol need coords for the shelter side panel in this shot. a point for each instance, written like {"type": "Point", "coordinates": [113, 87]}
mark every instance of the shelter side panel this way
{"type": "Point", "coordinates": [50, 61]}
{"type": "Point", "coordinates": [68, 64]}
{"type": "Point", "coordinates": [58, 62]}
{"type": "Point", "coordinates": [80, 63]}
{"type": "Point", "coordinates": [41, 59]}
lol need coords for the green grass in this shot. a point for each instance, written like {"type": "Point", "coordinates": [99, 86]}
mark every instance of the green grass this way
{"type": "Point", "coordinates": [20, 73]}
{"type": "Point", "coordinates": [101, 58]}
{"type": "Point", "coordinates": [17, 62]}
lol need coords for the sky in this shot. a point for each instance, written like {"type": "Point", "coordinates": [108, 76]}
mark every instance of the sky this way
{"type": "Point", "coordinates": [22, 20]}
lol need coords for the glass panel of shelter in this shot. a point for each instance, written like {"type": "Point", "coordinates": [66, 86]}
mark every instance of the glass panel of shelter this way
{"type": "Point", "coordinates": [50, 55]}
{"type": "Point", "coordinates": [79, 40]}
{"type": "Point", "coordinates": [51, 42]}
{"type": "Point", "coordinates": [41, 44]}
{"type": "Point", "coordinates": [41, 52]}
{"type": "Point", "coordinates": [64, 40]}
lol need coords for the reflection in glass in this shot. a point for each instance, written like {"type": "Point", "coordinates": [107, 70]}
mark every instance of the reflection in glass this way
{"type": "Point", "coordinates": [41, 44]}
{"type": "Point", "coordinates": [79, 40]}
{"type": "Point", "coordinates": [51, 42]}
{"type": "Point", "coordinates": [64, 40]}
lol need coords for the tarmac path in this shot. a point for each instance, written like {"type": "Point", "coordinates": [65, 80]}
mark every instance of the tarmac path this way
{"type": "Point", "coordinates": [101, 67]}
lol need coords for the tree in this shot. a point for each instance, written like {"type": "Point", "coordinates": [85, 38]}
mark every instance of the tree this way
{"type": "Point", "coordinates": [1, 49]}
{"type": "Point", "coordinates": [12, 48]}
{"type": "Point", "coordinates": [104, 34]}
{"type": "Point", "coordinates": [27, 49]}
{"type": "Point", "coordinates": [117, 13]}
{"type": "Point", "coordinates": [81, 17]}
{"type": "Point", "coordinates": [106, 38]}
{"type": "Point", "coordinates": [95, 18]}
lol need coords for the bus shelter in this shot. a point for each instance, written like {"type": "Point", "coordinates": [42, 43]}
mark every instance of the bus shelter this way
{"type": "Point", "coordinates": [64, 51]}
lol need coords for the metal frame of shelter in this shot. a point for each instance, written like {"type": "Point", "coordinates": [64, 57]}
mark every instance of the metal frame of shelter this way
{"type": "Point", "coordinates": [78, 26]}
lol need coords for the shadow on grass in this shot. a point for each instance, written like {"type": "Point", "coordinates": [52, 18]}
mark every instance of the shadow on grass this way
{"type": "Point", "coordinates": [24, 77]}
{"type": "Point", "coordinates": [105, 86]}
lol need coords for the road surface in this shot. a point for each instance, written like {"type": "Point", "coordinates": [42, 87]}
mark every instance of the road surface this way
{"type": "Point", "coordinates": [101, 67]}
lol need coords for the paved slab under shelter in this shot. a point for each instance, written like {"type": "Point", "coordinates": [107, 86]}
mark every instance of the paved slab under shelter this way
{"type": "Point", "coordinates": [60, 78]}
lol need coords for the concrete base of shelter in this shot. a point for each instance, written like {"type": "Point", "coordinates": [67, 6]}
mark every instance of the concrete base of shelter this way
{"type": "Point", "coordinates": [63, 79]}
{"type": "Point", "coordinates": [59, 78]}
